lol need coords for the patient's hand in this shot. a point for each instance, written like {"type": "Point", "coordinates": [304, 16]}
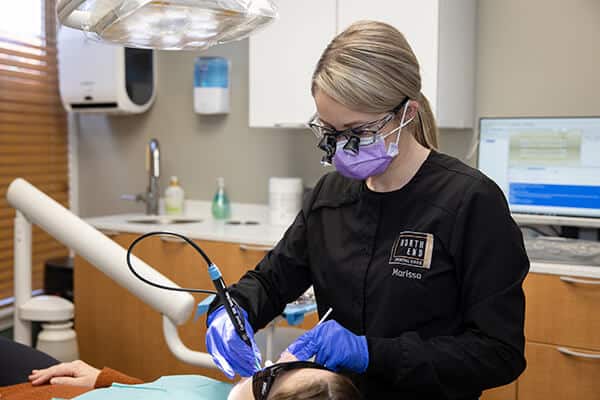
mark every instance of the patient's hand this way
{"type": "Point", "coordinates": [76, 373]}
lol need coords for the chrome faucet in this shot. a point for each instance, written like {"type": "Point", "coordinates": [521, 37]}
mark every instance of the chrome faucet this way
{"type": "Point", "coordinates": [153, 168]}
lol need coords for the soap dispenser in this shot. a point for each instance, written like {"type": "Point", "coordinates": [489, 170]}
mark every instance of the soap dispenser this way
{"type": "Point", "coordinates": [174, 197]}
{"type": "Point", "coordinates": [220, 204]}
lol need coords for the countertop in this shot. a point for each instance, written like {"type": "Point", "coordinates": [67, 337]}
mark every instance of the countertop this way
{"type": "Point", "coordinates": [581, 271]}
{"type": "Point", "coordinates": [263, 234]}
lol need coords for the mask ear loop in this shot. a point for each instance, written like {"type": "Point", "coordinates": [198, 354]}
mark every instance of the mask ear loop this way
{"type": "Point", "coordinates": [393, 149]}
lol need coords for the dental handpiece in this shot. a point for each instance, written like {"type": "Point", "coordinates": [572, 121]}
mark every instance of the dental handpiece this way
{"type": "Point", "coordinates": [232, 310]}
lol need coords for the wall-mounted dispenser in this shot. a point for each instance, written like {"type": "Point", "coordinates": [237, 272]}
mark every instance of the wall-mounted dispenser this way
{"type": "Point", "coordinates": [211, 85]}
{"type": "Point", "coordinates": [99, 77]}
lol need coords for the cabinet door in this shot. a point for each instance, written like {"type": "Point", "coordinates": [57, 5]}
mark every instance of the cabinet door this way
{"type": "Point", "coordinates": [417, 20]}
{"type": "Point", "coordinates": [507, 392]}
{"type": "Point", "coordinates": [551, 374]}
{"type": "Point", "coordinates": [283, 57]}
{"type": "Point", "coordinates": [563, 310]}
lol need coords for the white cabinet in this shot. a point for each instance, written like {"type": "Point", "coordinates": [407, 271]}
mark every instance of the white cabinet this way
{"type": "Point", "coordinates": [284, 55]}
{"type": "Point", "coordinates": [418, 20]}
{"type": "Point", "coordinates": [442, 36]}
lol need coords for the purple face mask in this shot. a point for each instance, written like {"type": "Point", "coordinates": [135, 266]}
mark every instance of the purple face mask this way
{"type": "Point", "coordinates": [372, 159]}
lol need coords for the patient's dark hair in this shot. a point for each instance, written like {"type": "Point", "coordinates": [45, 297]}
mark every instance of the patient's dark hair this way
{"type": "Point", "coordinates": [335, 387]}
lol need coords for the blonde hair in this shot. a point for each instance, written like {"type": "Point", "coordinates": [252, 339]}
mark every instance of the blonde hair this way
{"type": "Point", "coordinates": [335, 387]}
{"type": "Point", "coordinates": [370, 67]}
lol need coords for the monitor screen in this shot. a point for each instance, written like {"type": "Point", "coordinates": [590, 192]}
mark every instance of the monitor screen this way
{"type": "Point", "coordinates": [548, 166]}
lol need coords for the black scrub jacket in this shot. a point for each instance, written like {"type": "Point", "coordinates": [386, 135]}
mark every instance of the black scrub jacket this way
{"type": "Point", "coordinates": [431, 274]}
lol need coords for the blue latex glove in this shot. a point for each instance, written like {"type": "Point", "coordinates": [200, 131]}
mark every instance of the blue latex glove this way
{"type": "Point", "coordinates": [228, 350]}
{"type": "Point", "coordinates": [334, 346]}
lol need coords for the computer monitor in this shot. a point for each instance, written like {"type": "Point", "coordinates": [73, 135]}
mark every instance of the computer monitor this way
{"type": "Point", "coordinates": [548, 168]}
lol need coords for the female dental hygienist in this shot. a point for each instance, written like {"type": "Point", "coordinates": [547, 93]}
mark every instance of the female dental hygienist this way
{"type": "Point", "coordinates": [416, 252]}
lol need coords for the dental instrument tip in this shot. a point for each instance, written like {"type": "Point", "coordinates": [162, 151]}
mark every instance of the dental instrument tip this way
{"type": "Point", "coordinates": [325, 316]}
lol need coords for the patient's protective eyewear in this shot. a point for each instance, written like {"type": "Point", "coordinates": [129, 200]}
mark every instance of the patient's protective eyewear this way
{"type": "Point", "coordinates": [262, 381]}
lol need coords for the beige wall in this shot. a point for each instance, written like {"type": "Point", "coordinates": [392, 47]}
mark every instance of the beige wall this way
{"type": "Point", "coordinates": [196, 148]}
{"type": "Point", "coordinates": [539, 58]}
{"type": "Point", "coordinates": [535, 57]}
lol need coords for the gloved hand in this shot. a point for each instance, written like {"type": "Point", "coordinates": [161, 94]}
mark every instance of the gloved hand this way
{"type": "Point", "coordinates": [334, 346]}
{"type": "Point", "coordinates": [228, 350]}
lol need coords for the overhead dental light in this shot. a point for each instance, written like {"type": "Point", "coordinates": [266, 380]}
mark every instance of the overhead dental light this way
{"type": "Point", "coordinates": [166, 24]}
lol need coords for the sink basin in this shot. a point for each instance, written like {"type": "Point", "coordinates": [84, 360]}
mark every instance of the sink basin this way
{"type": "Point", "coordinates": [163, 221]}
{"type": "Point", "coordinates": [236, 222]}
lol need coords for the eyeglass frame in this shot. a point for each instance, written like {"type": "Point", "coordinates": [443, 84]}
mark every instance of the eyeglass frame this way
{"type": "Point", "coordinates": [263, 380]}
{"type": "Point", "coordinates": [358, 131]}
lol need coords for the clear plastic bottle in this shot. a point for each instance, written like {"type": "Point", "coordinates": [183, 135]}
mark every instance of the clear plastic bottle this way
{"type": "Point", "coordinates": [220, 204]}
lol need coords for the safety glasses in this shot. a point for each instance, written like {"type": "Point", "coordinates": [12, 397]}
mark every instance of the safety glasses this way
{"type": "Point", "coordinates": [262, 381]}
{"type": "Point", "coordinates": [365, 133]}
{"type": "Point", "coordinates": [362, 135]}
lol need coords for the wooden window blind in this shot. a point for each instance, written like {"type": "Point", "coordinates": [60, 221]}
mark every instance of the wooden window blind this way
{"type": "Point", "coordinates": [33, 127]}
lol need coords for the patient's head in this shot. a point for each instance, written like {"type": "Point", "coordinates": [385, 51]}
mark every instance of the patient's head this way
{"type": "Point", "coordinates": [296, 380]}
{"type": "Point", "coordinates": [313, 384]}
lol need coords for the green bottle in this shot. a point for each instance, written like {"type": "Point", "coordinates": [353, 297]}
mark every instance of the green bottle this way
{"type": "Point", "coordinates": [220, 203]}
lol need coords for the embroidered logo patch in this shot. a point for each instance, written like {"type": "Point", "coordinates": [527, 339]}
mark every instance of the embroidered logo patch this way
{"type": "Point", "coordinates": [413, 249]}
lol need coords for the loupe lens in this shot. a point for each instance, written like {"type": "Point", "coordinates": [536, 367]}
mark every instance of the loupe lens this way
{"type": "Point", "coordinates": [323, 145]}
{"type": "Point", "coordinates": [328, 145]}
{"type": "Point", "coordinates": [351, 146]}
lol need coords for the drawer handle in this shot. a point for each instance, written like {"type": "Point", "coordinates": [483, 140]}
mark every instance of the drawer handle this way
{"type": "Point", "coordinates": [574, 353]}
{"type": "Point", "coordinates": [289, 125]}
{"type": "Point", "coordinates": [247, 247]}
{"type": "Point", "coordinates": [171, 239]}
{"type": "Point", "coordinates": [568, 279]}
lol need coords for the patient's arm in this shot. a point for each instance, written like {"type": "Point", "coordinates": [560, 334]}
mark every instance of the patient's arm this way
{"type": "Point", "coordinates": [109, 376]}
{"type": "Point", "coordinates": [78, 373]}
